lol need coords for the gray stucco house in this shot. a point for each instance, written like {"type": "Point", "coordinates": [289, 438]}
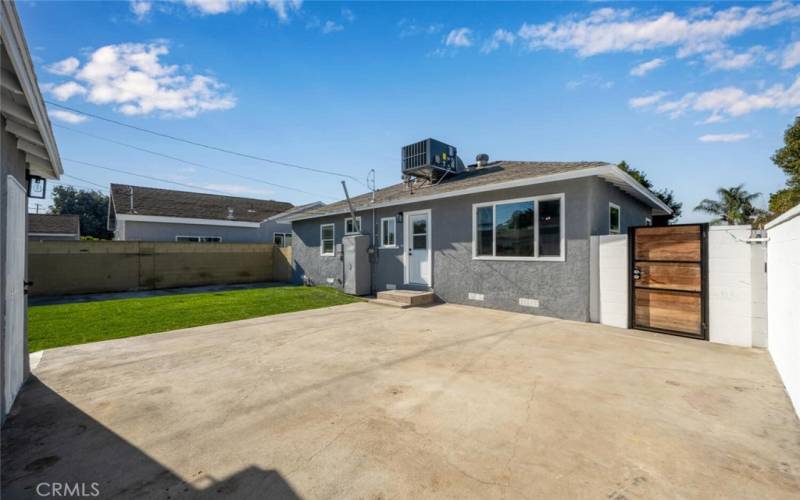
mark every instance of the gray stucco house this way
{"type": "Point", "coordinates": [54, 227]}
{"type": "Point", "coordinates": [151, 214]}
{"type": "Point", "coordinates": [27, 150]}
{"type": "Point", "coordinates": [511, 235]}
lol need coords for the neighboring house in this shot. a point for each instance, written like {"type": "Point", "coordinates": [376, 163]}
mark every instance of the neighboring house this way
{"type": "Point", "coordinates": [54, 227]}
{"type": "Point", "coordinates": [27, 148]}
{"type": "Point", "coordinates": [511, 235]}
{"type": "Point", "coordinates": [150, 214]}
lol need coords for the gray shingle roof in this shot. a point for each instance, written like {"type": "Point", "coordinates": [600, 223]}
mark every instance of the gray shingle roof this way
{"type": "Point", "coordinates": [493, 173]}
{"type": "Point", "coordinates": [54, 224]}
{"type": "Point", "coordinates": [169, 203]}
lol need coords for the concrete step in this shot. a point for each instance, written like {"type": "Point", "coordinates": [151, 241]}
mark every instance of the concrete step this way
{"type": "Point", "coordinates": [389, 303]}
{"type": "Point", "coordinates": [407, 297]}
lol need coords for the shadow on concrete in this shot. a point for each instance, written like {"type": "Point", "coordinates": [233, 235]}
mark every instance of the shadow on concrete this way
{"type": "Point", "coordinates": [47, 440]}
{"type": "Point", "coordinates": [95, 297]}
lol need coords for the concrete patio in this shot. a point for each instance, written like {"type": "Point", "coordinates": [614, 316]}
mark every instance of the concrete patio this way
{"type": "Point", "coordinates": [363, 401]}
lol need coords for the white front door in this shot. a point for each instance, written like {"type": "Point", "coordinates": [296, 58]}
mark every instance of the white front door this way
{"type": "Point", "coordinates": [418, 248]}
{"type": "Point", "coordinates": [14, 347]}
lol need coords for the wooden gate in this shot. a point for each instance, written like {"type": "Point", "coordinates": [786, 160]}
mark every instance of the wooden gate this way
{"type": "Point", "coordinates": [669, 279]}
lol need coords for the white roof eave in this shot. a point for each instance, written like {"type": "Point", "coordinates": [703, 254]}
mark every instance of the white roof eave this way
{"type": "Point", "coordinates": [610, 173]}
{"type": "Point", "coordinates": [13, 39]}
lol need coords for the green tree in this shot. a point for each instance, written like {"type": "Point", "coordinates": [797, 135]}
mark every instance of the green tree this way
{"type": "Point", "coordinates": [91, 206]}
{"type": "Point", "coordinates": [733, 206]}
{"type": "Point", "coordinates": [665, 195]}
{"type": "Point", "coordinates": [788, 159]}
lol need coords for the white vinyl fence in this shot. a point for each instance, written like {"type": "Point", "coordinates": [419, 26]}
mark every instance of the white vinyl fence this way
{"type": "Point", "coordinates": [783, 294]}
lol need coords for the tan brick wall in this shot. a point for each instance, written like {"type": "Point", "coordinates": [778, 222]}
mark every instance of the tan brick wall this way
{"type": "Point", "coordinates": [73, 267]}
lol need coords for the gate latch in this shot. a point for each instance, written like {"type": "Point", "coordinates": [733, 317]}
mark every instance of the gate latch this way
{"type": "Point", "coordinates": [637, 273]}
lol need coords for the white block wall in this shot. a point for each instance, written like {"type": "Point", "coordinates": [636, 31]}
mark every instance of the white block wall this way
{"type": "Point", "coordinates": [783, 293]}
{"type": "Point", "coordinates": [735, 287]}
{"type": "Point", "coordinates": [737, 301]}
{"type": "Point", "coordinates": [609, 280]}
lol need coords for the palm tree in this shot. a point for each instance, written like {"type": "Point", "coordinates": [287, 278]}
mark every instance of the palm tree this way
{"type": "Point", "coordinates": [734, 206]}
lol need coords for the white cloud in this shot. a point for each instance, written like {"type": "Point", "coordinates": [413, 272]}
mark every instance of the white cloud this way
{"type": "Point", "coordinates": [348, 15]}
{"type": "Point", "coordinates": [500, 37]}
{"type": "Point", "coordinates": [64, 67]}
{"type": "Point", "coordinates": [728, 102]}
{"type": "Point", "coordinates": [647, 100]}
{"type": "Point", "coordinates": [141, 8]}
{"type": "Point", "coordinates": [791, 56]}
{"type": "Point", "coordinates": [723, 137]}
{"type": "Point", "coordinates": [726, 59]}
{"type": "Point", "coordinates": [67, 116]}
{"type": "Point", "coordinates": [595, 81]}
{"type": "Point", "coordinates": [238, 189]}
{"type": "Point", "coordinates": [614, 30]}
{"type": "Point", "coordinates": [459, 37]}
{"type": "Point", "coordinates": [132, 77]}
{"type": "Point", "coordinates": [331, 27]}
{"type": "Point", "coordinates": [67, 90]}
{"type": "Point", "coordinates": [212, 7]}
{"type": "Point", "coordinates": [646, 67]}
{"type": "Point", "coordinates": [410, 27]}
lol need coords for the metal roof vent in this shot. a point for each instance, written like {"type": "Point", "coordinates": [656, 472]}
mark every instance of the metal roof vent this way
{"type": "Point", "coordinates": [482, 159]}
{"type": "Point", "coordinates": [429, 159]}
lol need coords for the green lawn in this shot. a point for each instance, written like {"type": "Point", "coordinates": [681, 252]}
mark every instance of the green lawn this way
{"type": "Point", "coordinates": [77, 323]}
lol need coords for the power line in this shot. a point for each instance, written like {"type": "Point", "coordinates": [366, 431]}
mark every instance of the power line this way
{"type": "Point", "coordinates": [77, 186]}
{"type": "Point", "coordinates": [206, 146]}
{"type": "Point", "coordinates": [86, 181]}
{"type": "Point", "coordinates": [187, 162]}
{"type": "Point", "coordinates": [158, 179]}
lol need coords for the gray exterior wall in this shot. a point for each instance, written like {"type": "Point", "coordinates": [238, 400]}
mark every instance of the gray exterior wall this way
{"type": "Point", "coordinates": [164, 231]}
{"type": "Point", "coordinates": [633, 211]}
{"type": "Point", "coordinates": [12, 162]}
{"type": "Point", "coordinates": [562, 288]}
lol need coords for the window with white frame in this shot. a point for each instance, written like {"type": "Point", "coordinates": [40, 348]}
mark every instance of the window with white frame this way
{"type": "Point", "coordinates": [199, 239]}
{"type": "Point", "coordinates": [326, 238]}
{"type": "Point", "coordinates": [388, 232]}
{"type": "Point", "coordinates": [283, 240]}
{"type": "Point", "coordinates": [350, 227]}
{"type": "Point", "coordinates": [614, 218]}
{"type": "Point", "coordinates": [522, 229]}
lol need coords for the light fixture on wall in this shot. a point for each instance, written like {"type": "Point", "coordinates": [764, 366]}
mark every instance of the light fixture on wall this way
{"type": "Point", "coordinates": [399, 217]}
{"type": "Point", "coordinates": [37, 186]}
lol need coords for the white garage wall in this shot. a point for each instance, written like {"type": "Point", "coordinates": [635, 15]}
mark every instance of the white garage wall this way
{"type": "Point", "coordinates": [783, 293]}
{"type": "Point", "coordinates": [735, 287]}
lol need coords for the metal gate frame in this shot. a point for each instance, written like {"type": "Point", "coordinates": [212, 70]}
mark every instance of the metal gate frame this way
{"type": "Point", "coordinates": [703, 282]}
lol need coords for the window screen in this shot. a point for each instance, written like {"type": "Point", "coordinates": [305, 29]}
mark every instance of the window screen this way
{"type": "Point", "coordinates": [326, 239]}
{"type": "Point", "coordinates": [483, 231]}
{"type": "Point", "coordinates": [613, 219]}
{"type": "Point", "coordinates": [550, 228]}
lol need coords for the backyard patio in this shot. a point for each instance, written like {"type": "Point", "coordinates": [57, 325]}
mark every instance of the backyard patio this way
{"type": "Point", "coordinates": [366, 401]}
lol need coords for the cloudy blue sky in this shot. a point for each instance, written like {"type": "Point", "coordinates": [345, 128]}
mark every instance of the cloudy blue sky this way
{"type": "Point", "coordinates": [696, 94]}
